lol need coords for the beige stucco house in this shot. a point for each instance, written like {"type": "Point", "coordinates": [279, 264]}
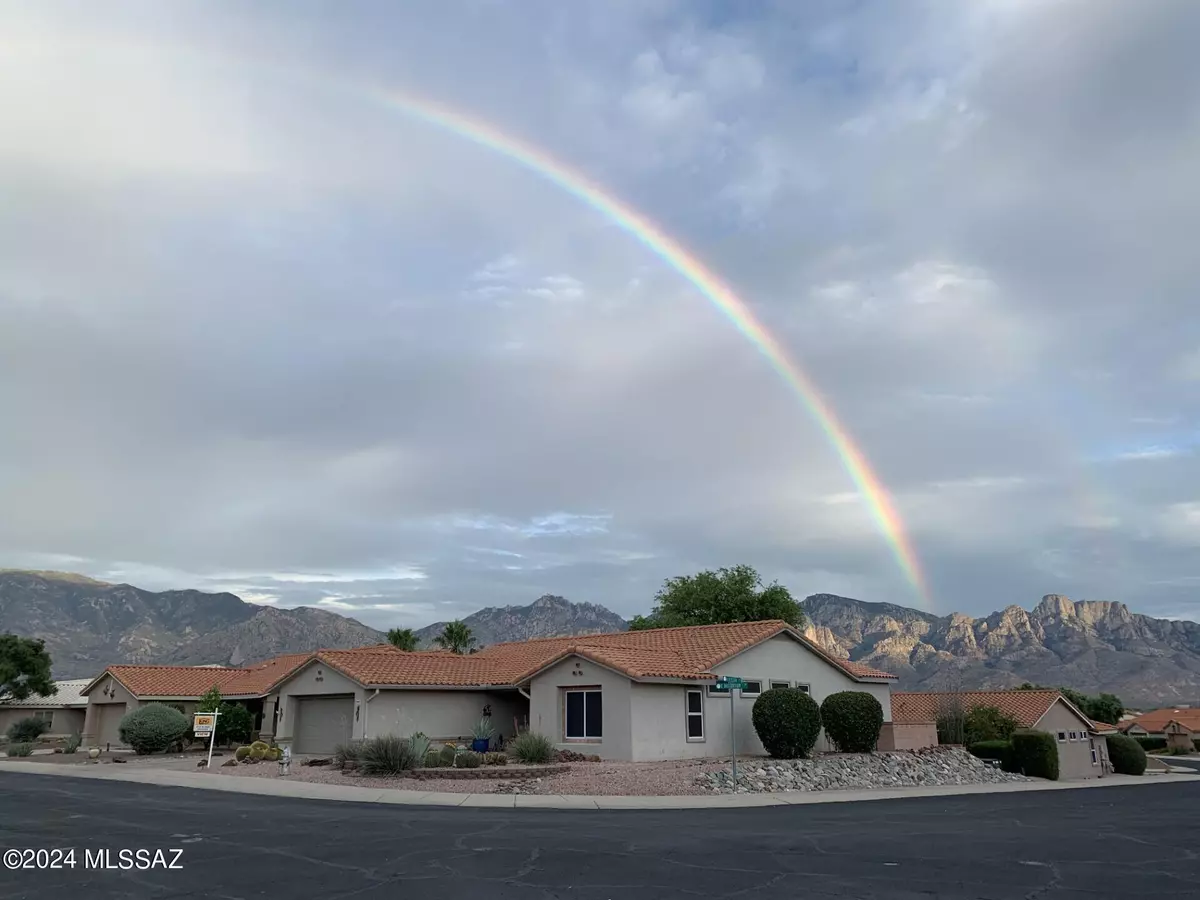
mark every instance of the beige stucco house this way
{"type": "Point", "coordinates": [640, 695]}
{"type": "Point", "coordinates": [1082, 746]}
{"type": "Point", "coordinates": [63, 712]}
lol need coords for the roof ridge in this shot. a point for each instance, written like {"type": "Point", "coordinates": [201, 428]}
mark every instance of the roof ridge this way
{"type": "Point", "coordinates": [632, 631]}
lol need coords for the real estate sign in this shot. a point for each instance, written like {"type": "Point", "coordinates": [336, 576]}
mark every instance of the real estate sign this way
{"type": "Point", "coordinates": [203, 724]}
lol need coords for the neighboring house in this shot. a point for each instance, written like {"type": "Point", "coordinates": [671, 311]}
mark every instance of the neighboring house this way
{"type": "Point", "coordinates": [1179, 724]}
{"type": "Point", "coordinates": [1082, 746]}
{"type": "Point", "coordinates": [63, 712]}
{"type": "Point", "coordinates": [638, 695]}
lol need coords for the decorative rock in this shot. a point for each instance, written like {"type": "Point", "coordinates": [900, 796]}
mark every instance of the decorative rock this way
{"type": "Point", "coordinates": [831, 772]}
{"type": "Point", "coordinates": [228, 763]}
{"type": "Point", "coordinates": [94, 752]}
{"type": "Point", "coordinates": [201, 763]}
{"type": "Point", "coordinates": [119, 759]}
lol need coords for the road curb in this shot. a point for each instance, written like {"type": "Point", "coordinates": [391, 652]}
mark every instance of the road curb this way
{"type": "Point", "coordinates": [350, 794]}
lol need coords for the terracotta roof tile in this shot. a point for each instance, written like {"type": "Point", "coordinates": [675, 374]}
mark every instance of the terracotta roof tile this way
{"type": "Point", "coordinates": [1156, 720]}
{"type": "Point", "coordinates": [174, 681]}
{"type": "Point", "coordinates": [1026, 707]}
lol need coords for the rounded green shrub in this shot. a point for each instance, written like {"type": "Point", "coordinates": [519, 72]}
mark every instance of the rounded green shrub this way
{"type": "Point", "coordinates": [241, 753]}
{"type": "Point", "coordinates": [21, 748]}
{"type": "Point", "coordinates": [987, 723]}
{"type": "Point", "coordinates": [433, 760]}
{"type": "Point", "coordinates": [153, 728]}
{"type": "Point", "coordinates": [447, 754]}
{"type": "Point", "coordinates": [27, 730]}
{"type": "Point", "coordinates": [1035, 753]}
{"type": "Point", "coordinates": [468, 759]}
{"type": "Point", "coordinates": [787, 721]}
{"type": "Point", "coordinates": [852, 720]}
{"type": "Point", "coordinates": [1126, 755]}
{"type": "Point", "coordinates": [235, 724]}
{"type": "Point", "coordinates": [531, 748]}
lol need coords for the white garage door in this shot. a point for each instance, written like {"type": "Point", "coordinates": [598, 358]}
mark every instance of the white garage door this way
{"type": "Point", "coordinates": [322, 723]}
{"type": "Point", "coordinates": [108, 728]}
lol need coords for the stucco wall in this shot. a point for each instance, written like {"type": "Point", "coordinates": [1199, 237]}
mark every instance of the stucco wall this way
{"type": "Point", "coordinates": [780, 658]}
{"type": "Point", "coordinates": [97, 699]}
{"type": "Point", "coordinates": [907, 735]}
{"type": "Point", "coordinates": [1074, 757]}
{"type": "Point", "coordinates": [546, 707]}
{"type": "Point", "coordinates": [314, 680]}
{"type": "Point", "coordinates": [659, 714]}
{"type": "Point", "coordinates": [442, 715]}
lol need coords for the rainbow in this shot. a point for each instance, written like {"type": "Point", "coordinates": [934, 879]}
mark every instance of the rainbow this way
{"type": "Point", "coordinates": [658, 242]}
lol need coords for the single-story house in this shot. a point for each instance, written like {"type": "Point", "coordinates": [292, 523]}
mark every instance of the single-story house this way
{"type": "Point", "coordinates": [637, 695]}
{"type": "Point", "coordinates": [1082, 746]}
{"type": "Point", "coordinates": [1178, 726]}
{"type": "Point", "coordinates": [64, 711]}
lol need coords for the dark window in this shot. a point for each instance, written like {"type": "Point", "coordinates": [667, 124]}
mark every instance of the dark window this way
{"type": "Point", "coordinates": [695, 716]}
{"type": "Point", "coordinates": [1062, 736]}
{"type": "Point", "coordinates": [804, 687]}
{"type": "Point", "coordinates": [752, 688]}
{"type": "Point", "coordinates": [585, 715]}
{"type": "Point", "coordinates": [779, 684]}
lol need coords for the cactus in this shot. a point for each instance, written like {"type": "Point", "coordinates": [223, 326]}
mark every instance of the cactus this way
{"type": "Point", "coordinates": [495, 758]}
{"type": "Point", "coordinates": [468, 759]}
{"type": "Point", "coordinates": [433, 760]}
{"type": "Point", "coordinates": [272, 754]}
{"type": "Point", "coordinates": [257, 753]}
{"type": "Point", "coordinates": [263, 745]}
{"type": "Point", "coordinates": [448, 753]}
{"type": "Point", "coordinates": [241, 753]}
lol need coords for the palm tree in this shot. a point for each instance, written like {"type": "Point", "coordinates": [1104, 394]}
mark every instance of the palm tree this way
{"type": "Point", "coordinates": [404, 638]}
{"type": "Point", "coordinates": [455, 637]}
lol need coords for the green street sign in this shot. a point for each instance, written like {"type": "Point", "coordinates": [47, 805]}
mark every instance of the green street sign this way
{"type": "Point", "coordinates": [729, 683]}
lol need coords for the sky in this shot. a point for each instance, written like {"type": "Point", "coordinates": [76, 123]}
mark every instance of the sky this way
{"type": "Point", "coordinates": [264, 330]}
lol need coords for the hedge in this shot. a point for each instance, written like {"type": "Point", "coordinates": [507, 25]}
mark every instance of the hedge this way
{"type": "Point", "coordinates": [852, 721]}
{"type": "Point", "coordinates": [1127, 755]}
{"type": "Point", "coordinates": [1001, 751]}
{"type": "Point", "coordinates": [787, 721]}
{"type": "Point", "coordinates": [1150, 743]}
{"type": "Point", "coordinates": [1035, 753]}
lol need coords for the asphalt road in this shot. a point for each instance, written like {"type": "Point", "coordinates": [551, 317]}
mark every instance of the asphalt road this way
{"type": "Point", "coordinates": [1112, 842]}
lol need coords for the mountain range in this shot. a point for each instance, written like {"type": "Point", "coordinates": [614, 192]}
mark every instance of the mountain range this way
{"type": "Point", "coordinates": [1091, 646]}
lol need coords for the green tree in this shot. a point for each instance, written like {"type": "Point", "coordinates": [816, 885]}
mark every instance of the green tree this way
{"type": "Point", "coordinates": [404, 638]}
{"type": "Point", "coordinates": [713, 598]}
{"type": "Point", "coordinates": [24, 669]}
{"type": "Point", "coordinates": [211, 701]}
{"type": "Point", "coordinates": [456, 637]}
{"type": "Point", "coordinates": [1106, 708]}
{"type": "Point", "coordinates": [987, 723]}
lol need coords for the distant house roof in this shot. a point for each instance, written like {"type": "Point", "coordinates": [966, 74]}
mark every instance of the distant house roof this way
{"type": "Point", "coordinates": [1026, 708]}
{"type": "Point", "coordinates": [1156, 720]}
{"type": "Point", "coordinates": [70, 693]}
{"type": "Point", "coordinates": [687, 653]}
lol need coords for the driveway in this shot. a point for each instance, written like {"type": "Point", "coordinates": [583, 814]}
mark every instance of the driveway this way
{"type": "Point", "coordinates": [1109, 842]}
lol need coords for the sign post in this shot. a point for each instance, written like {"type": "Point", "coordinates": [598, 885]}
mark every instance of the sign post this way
{"type": "Point", "coordinates": [731, 683]}
{"type": "Point", "coordinates": [206, 724]}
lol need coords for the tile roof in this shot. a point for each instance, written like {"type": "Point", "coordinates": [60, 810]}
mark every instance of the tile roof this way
{"type": "Point", "coordinates": [682, 653]}
{"type": "Point", "coordinates": [68, 695]}
{"type": "Point", "coordinates": [1026, 707]}
{"type": "Point", "coordinates": [1156, 720]}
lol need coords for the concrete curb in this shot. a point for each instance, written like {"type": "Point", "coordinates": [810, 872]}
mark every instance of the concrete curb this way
{"type": "Point", "coordinates": [347, 793]}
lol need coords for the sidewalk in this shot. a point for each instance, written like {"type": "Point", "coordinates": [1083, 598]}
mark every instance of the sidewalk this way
{"type": "Point", "coordinates": [313, 791]}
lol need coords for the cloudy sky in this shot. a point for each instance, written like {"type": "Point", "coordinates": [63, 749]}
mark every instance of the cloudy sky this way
{"type": "Point", "coordinates": [262, 329]}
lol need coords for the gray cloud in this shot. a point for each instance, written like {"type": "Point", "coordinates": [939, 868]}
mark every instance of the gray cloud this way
{"type": "Point", "coordinates": [260, 332]}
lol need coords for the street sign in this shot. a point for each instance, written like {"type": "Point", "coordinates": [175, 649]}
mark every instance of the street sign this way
{"type": "Point", "coordinates": [729, 683]}
{"type": "Point", "coordinates": [203, 724]}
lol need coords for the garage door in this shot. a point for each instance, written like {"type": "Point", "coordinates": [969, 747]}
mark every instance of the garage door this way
{"type": "Point", "coordinates": [108, 729]}
{"type": "Point", "coordinates": [322, 723]}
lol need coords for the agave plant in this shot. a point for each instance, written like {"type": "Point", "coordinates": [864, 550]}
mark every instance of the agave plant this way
{"type": "Point", "coordinates": [418, 744]}
{"type": "Point", "coordinates": [484, 730]}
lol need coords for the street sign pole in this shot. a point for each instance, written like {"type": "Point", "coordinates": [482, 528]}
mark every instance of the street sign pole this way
{"type": "Point", "coordinates": [732, 736]}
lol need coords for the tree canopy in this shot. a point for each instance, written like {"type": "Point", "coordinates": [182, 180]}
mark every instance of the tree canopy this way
{"type": "Point", "coordinates": [456, 637]}
{"type": "Point", "coordinates": [24, 669]}
{"type": "Point", "coordinates": [1106, 708]}
{"type": "Point", "coordinates": [713, 598]}
{"type": "Point", "coordinates": [403, 638]}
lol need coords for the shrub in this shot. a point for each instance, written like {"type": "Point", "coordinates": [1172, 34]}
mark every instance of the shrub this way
{"type": "Point", "coordinates": [787, 721]}
{"type": "Point", "coordinates": [153, 728]}
{"type": "Point", "coordinates": [532, 748]}
{"type": "Point", "coordinates": [419, 745]}
{"type": "Point", "coordinates": [27, 730]}
{"type": "Point", "coordinates": [950, 727]}
{"type": "Point", "coordinates": [447, 754]}
{"type": "Point", "coordinates": [73, 743]}
{"type": "Point", "coordinates": [1196, 744]}
{"type": "Point", "coordinates": [433, 760]}
{"type": "Point", "coordinates": [987, 723]}
{"type": "Point", "coordinates": [495, 758]}
{"type": "Point", "coordinates": [385, 755]}
{"type": "Point", "coordinates": [20, 748]}
{"type": "Point", "coordinates": [241, 753]}
{"type": "Point", "coordinates": [235, 724]}
{"type": "Point", "coordinates": [852, 720]}
{"type": "Point", "coordinates": [1126, 755]}
{"type": "Point", "coordinates": [1035, 754]}
{"type": "Point", "coordinates": [346, 753]}
{"type": "Point", "coordinates": [1150, 744]}
{"type": "Point", "coordinates": [468, 759]}
{"type": "Point", "coordinates": [997, 750]}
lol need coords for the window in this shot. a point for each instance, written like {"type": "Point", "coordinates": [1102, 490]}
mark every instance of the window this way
{"type": "Point", "coordinates": [46, 715]}
{"type": "Point", "coordinates": [752, 688]}
{"type": "Point", "coordinates": [585, 713]}
{"type": "Point", "coordinates": [1073, 736]}
{"type": "Point", "coordinates": [713, 691]}
{"type": "Point", "coordinates": [1095, 756]}
{"type": "Point", "coordinates": [804, 687]}
{"type": "Point", "coordinates": [695, 716]}
{"type": "Point", "coordinates": [1062, 737]}
{"type": "Point", "coordinates": [780, 684]}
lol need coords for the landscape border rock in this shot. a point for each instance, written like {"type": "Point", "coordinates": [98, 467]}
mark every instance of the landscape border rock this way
{"type": "Point", "coordinates": [511, 773]}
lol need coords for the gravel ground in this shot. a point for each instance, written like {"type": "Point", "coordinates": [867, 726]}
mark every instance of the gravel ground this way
{"type": "Point", "coordinates": [604, 779]}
